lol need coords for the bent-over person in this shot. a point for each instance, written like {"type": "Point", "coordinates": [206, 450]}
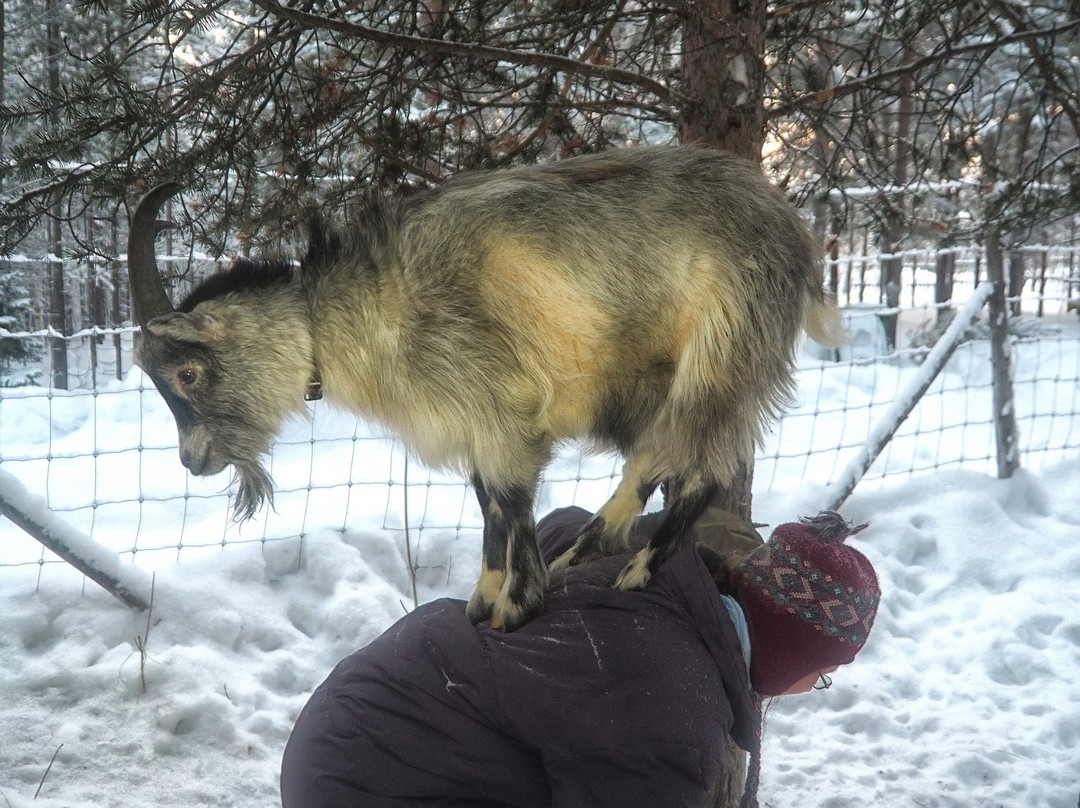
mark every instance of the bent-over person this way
{"type": "Point", "coordinates": [607, 699]}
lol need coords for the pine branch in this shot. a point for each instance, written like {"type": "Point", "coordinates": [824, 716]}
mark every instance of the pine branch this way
{"type": "Point", "coordinates": [852, 86]}
{"type": "Point", "coordinates": [472, 50]}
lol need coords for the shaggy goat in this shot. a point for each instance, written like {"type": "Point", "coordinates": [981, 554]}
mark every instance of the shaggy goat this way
{"type": "Point", "coordinates": [646, 300]}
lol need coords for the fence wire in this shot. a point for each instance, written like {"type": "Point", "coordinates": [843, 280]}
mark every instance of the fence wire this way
{"type": "Point", "coordinates": [103, 454]}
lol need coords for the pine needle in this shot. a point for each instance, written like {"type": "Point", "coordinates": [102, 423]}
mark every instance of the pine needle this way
{"type": "Point", "coordinates": [47, 770]}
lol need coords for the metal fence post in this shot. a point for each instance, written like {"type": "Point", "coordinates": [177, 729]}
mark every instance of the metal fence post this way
{"type": "Point", "coordinates": [125, 582]}
{"type": "Point", "coordinates": [1008, 452]}
{"type": "Point", "coordinates": [905, 402]}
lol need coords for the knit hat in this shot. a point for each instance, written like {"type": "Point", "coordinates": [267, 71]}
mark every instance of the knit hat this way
{"type": "Point", "coordinates": [809, 600]}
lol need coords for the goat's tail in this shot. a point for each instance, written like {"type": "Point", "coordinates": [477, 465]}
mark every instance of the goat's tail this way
{"type": "Point", "coordinates": [822, 319]}
{"type": "Point", "coordinates": [824, 323]}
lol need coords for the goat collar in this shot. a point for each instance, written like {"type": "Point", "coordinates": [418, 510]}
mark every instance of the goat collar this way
{"type": "Point", "coordinates": [313, 391]}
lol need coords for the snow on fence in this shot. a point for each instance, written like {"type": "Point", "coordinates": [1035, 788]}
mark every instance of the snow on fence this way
{"type": "Point", "coordinates": [98, 463]}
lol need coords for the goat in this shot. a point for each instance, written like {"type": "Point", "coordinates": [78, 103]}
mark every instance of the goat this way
{"type": "Point", "coordinates": [647, 300]}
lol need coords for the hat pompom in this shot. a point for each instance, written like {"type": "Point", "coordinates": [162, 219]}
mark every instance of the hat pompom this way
{"type": "Point", "coordinates": [832, 527]}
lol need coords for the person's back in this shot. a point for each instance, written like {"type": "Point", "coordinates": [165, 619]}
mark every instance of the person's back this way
{"type": "Point", "coordinates": [607, 698]}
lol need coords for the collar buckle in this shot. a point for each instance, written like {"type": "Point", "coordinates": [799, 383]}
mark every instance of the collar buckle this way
{"type": "Point", "coordinates": [313, 391]}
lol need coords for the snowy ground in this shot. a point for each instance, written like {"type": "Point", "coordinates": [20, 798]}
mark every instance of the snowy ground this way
{"type": "Point", "coordinates": [967, 695]}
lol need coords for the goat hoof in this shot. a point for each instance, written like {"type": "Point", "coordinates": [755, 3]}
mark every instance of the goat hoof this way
{"type": "Point", "coordinates": [506, 620]}
{"type": "Point", "coordinates": [478, 609]}
{"type": "Point", "coordinates": [511, 617]}
{"type": "Point", "coordinates": [486, 595]}
{"type": "Point", "coordinates": [635, 575]}
{"type": "Point", "coordinates": [579, 554]}
{"type": "Point", "coordinates": [510, 614]}
{"type": "Point", "coordinates": [565, 561]}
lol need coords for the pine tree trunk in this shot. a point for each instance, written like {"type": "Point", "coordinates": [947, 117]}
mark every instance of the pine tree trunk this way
{"type": "Point", "coordinates": [724, 75]}
{"type": "Point", "coordinates": [896, 230]}
{"type": "Point", "coordinates": [115, 284]}
{"type": "Point", "coordinates": [57, 313]}
{"type": "Point", "coordinates": [944, 268]}
{"type": "Point", "coordinates": [1016, 280]}
{"type": "Point", "coordinates": [723, 82]}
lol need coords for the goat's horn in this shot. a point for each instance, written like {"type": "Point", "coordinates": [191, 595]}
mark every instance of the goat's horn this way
{"type": "Point", "coordinates": [147, 289]}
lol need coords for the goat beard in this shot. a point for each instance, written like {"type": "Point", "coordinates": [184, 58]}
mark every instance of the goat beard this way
{"type": "Point", "coordinates": [254, 487]}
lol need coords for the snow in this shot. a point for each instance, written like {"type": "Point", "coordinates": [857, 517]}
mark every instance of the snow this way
{"type": "Point", "coordinates": [967, 694]}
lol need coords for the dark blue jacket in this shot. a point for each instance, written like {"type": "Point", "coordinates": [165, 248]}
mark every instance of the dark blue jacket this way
{"type": "Point", "coordinates": [608, 698]}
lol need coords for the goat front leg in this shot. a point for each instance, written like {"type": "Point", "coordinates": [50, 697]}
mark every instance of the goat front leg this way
{"type": "Point", "coordinates": [687, 498]}
{"type": "Point", "coordinates": [510, 591]}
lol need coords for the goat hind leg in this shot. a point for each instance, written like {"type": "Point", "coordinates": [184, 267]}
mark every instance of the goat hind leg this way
{"type": "Point", "coordinates": [687, 499]}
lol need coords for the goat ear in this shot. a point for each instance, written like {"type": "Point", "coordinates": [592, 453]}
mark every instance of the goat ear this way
{"type": "Point", "coordinates": [198, 327]}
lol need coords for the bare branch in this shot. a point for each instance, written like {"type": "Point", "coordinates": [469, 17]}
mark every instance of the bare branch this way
{"type": "Point", "coordinates": [472, 50]}
{"type": "Point", "coordinates": [908, 68]}
{"type": "Point", "coordinates": [1043, 62]}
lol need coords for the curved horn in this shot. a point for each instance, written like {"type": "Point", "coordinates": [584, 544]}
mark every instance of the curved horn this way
{"type": "Point", "coordinates": [147, 290]}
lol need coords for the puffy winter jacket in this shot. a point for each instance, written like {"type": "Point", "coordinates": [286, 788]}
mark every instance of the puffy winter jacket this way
{"type": "Point", "coordinates": [608, 698]}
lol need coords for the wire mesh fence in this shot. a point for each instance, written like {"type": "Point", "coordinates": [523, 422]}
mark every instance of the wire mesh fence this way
{"type": "Point", "coordinates": [102, 455]}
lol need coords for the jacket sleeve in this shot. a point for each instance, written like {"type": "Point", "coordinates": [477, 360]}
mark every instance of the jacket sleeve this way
{"type": "Point", "coordinates": [638, 776]}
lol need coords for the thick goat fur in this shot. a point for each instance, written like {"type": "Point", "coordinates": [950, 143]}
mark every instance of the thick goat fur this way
{"type": "Point", "coordinates": [647, 300]}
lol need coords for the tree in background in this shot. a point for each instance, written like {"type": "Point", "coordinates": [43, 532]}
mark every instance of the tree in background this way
{"type": "Point", "coordinates": [929, 119]}
{"type": "Point", "coordinates": [15, 317]}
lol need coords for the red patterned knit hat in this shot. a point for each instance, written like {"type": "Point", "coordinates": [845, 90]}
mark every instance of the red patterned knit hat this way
{"type": "Point", "coordinates": [809, 599]}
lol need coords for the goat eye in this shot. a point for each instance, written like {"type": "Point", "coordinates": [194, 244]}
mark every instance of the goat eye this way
{"type": "Point", "coordinates": [186, 376]}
